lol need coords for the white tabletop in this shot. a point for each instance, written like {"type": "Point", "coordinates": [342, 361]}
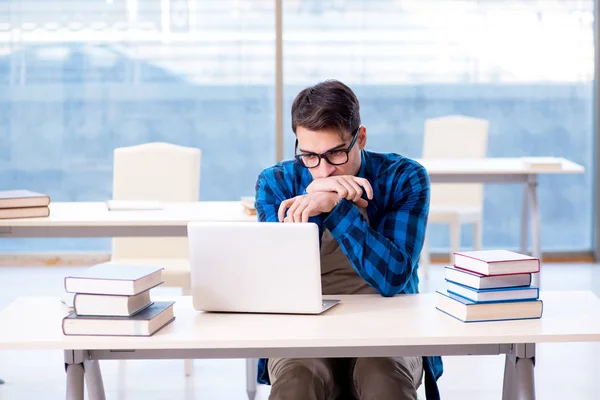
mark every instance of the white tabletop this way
{"type": "Point", "coordinates": [500, 166]}
{"type": "Point", "coordinates": [91, 214]}
{"type": "Point", "coordinates": [359, 321]}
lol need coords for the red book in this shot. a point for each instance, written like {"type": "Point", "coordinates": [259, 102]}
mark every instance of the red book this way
{"type": "Point", "coordinates": [496, 262]}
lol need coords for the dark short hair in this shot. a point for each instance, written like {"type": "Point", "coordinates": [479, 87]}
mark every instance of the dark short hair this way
{"type": "Point", "coordinates": [327, 105]}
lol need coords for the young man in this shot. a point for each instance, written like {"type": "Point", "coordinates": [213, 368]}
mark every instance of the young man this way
{"type": "Point", "coordinates": [371, 209]}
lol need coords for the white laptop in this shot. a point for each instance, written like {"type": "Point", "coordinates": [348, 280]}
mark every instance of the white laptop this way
{"type": "Point", "coordinates": [256, 267]}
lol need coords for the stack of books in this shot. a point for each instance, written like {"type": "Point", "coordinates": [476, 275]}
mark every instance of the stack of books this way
{"type": "Point", "coordinates": [114, 300]}
{"type": "Point", "coordinates": [248, 204]}
{"type": "Point", "coordinates": [491, 285]}
{"type": "Point", "coordinates": [23, 204]}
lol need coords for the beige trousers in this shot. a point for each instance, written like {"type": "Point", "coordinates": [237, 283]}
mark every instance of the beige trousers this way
{"type": "Point", "coordinates": [385, 378]}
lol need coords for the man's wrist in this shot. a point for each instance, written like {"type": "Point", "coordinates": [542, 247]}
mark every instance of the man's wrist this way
{"type": "Point", "coordinates": [335, 201]}
{"type": "Point", "coordinates": [341, 216]}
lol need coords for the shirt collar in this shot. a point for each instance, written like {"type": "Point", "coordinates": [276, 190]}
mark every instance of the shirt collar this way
{"type": "Point", "coordinates": [363, 170]}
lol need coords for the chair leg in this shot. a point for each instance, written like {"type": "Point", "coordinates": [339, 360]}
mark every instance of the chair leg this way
{"type": "Point", "coordinates": [188, 367]}
{"type": "Point", "coordinates": [477, 235]}
{"type": "Point", "coordinates": [251, 373]}
{"type": "Point", "coordinates": [454, 239]}
{"type": "Point", "coordinates": [122, 378]}
{"type": "Point", "coordinates": [424, 260]}
{"type": "Point", "coordinates": [187, 291]}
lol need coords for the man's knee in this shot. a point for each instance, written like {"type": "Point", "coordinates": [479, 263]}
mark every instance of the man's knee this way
{"type": "Point", "coordinates": [301, 379]}
{"type": "Point", "coordinates": [387, 377]}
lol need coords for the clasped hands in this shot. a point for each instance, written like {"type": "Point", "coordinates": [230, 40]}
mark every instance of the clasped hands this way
{"type": "Point", "coordinates": [323, 194]}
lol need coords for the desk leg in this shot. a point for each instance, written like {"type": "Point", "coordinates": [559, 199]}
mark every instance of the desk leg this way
{"type": "Point", "coordinates": [535, 217]}
{"type": "Point", "coordinates": [519, 376]}
{"type": "Point", "coordinates": [75, 374]}
{"type": "Point", "coordinates": [78, 368]}
{"type": "Point", "coordinates": [532, 185]}
{"type": "Point", "coordinates": [93, 380]}
{"type": "Point", "coordinates": [525, 219]}
{"type": "Point", "coordinates": [530, 208]}
{"type": "Point", "coordinates": [75, 381]}
{"type": "Point", "coordinates": [251, 372]}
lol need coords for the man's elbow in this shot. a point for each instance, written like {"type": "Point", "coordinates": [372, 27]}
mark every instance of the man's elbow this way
{"type": "Point", "coordinates": [388, 291]}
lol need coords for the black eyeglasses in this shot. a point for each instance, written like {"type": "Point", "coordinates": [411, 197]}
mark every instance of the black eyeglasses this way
{"type": "Point", "coordinates": [333, 157]}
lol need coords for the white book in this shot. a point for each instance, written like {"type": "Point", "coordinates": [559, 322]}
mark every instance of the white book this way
{"type": "Point", "coordinates": [496, 262]}
{"type": "Point", "coordinates": [111, 305]}
{"type": "Point", "coordinates": [144, 323]}
{"type": "Point", "coordinates": [133, 205]}
{"type": "Point", "coordinates": [25, 212]}
{"type": "Point", "coordinates": [493, 295]}
{"type": "Point", "coordinates": [478, 281]}
{"type": "Point", "coordinates": [23, 199]}
{"type": "Point", "coordinates": [115, 279]}
{"type": "Point", "coordinates": [543, 163]}
{"type": "Point", "coordinates": [469, 311]}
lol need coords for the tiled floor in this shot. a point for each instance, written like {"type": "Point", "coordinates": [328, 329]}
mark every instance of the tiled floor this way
{"type": "Point", "coordinates": [563, 371]}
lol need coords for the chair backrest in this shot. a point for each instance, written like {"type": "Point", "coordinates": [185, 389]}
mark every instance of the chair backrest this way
{"type": "Point", "coordinates": [462, 137]}
{"type": "Point", "coordinates": [155, 171]}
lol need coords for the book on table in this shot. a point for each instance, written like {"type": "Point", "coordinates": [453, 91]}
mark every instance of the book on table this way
{"type": "Point", "coordinates": [112, 299]}
{"type": "Point", "coordinates": [23, 199]}
{"type": "Point", "coordinates": [111, 305]}
{"type": "Point", "coordinates": [115, 279]}
{"type": "Point", "coordinates": [133, 205]}
{"type": "Point", "coordinates": [496, 262]}
{"type": "Point", "coordinates": [479, 281]}
{"type": "Point", "coordinates": [25, 212]}
{"type": "Point", "coordinates": [493, 295]}
{"type": "Point", "coordinates": [248, 205]}
{"type": "Point", "coordinates": [490, 285]}
{"type": "Point", "coordinates": [23, 204]}
{"type": "Point", "coordinates": [144, 323]}
{"type": "Point", "coordinates": [470, 311]}
{"type": "Point", "coordinates": [543, 163]}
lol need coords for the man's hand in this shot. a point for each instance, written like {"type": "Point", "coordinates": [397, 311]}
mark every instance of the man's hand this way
{"type": "Point", "coordinates": [301, 208]}
{"type": "Point", "coordinates": [346, 186]}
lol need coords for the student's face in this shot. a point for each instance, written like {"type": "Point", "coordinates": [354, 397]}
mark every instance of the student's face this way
{"type": "Point", "coordinates": [319, 142]}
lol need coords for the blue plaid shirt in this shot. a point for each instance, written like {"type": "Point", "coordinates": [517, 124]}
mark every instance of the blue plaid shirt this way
{"type": "Point", "coordinates": [385, 250]}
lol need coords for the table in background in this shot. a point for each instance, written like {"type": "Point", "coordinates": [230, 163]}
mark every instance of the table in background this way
{"type": "Point", "coordinates": [93, 219]}
{"type": "Point", "coordinates": [504, 170]}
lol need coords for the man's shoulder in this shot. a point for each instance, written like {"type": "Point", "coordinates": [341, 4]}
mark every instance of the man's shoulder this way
{"type": "Point", "coordinates": [280, 170]}
{"type": "Point", "coordinates": [398, 176]}
{"type": "Point", "coordinates": [395, 164]}
{"type": "Point", "coordinates": [285, 177]}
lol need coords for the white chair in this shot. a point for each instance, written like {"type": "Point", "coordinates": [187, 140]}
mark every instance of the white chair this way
{"type": "Point", "coordinates": [455, 204]}
{"type": "Point", "coordinates": [162, 172]}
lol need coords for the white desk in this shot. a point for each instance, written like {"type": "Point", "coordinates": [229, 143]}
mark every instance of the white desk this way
{"type": "Point", "coordinates": [492, 169]}
{"type": "Point", "coordinates": [361, 326]}
{"type": "Point", "coordinates": [89, 219]}
{"type": "Point", "coordinates": [503, 170]}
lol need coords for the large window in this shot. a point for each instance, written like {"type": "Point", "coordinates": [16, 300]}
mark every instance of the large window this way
{"type": "Point", "coordinates": [80, 78]}
{"type": "Point", "coordinates": [526, 66]}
